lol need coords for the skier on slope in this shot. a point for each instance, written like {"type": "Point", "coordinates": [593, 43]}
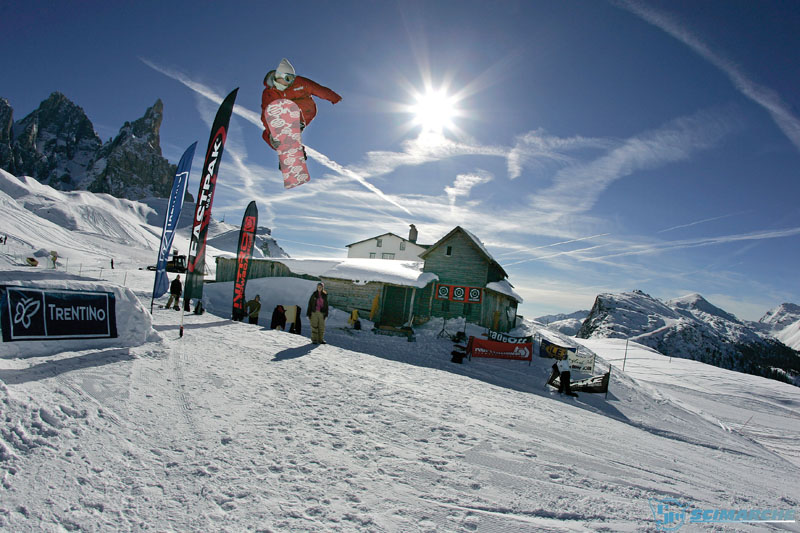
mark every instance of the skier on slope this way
{"type": "Point", "coordinates": [283, 83]}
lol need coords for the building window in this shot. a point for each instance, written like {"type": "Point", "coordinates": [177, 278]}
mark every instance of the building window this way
{"type": "Point", "coordinates": [449, 251]}
{"type": "Point", "coordinates": [387, 256]}
{"type": "Point", "coordinates": [372, 255]}
{"type": "Point", "coordinates": [380, 243]}
{"type": "Point", "coordinates": [402, 245]}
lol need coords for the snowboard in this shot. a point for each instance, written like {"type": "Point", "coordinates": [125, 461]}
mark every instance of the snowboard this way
{"type": "Point", "coordinates": [284, 125]}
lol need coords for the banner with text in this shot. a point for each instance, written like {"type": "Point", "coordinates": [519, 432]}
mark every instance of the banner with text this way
{"type": "Point", "coordinates": [179, 184]}
{"type": "Point", "coordinates": [205, 200]}
{"type": "Point", "coordinates": [28, 313]}
{"type": "Point", "coordinates": [499, 350]}
{"type": "Point", "coordinates": [247, 239]}
{"type": "Point", "coordinates": [577, 361]}
{"type": "Point", "coordinates": [459, 293]}
{"type": "Point", "coordinates": [504, 337]}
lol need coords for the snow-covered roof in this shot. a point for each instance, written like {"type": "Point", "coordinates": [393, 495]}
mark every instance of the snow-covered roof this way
{"type": "Point", "coordinates": [384, 235]}
{"type": "Point", "coordinates": [362, 271]}
{"type": "Point", "coordinates": [504, 287]}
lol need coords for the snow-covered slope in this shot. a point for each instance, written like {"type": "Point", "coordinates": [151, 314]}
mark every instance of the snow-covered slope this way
{"type": "Point", "coordinates": [783, 323]}
{"type": "Point", "coordinates": [40, 218]}
{"type": "Point", "coordinates": [234, 427]}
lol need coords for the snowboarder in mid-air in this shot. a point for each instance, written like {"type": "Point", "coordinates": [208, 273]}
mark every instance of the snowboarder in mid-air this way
{"type": "Point", "coordinates": [287, 107]}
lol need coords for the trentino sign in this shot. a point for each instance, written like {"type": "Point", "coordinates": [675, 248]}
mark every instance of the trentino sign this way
{"type": "Point", "coordinates": [28, 313]}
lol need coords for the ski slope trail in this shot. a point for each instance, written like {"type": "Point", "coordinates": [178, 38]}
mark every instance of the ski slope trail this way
{"type": "Point", "coordinates": [235, 427]}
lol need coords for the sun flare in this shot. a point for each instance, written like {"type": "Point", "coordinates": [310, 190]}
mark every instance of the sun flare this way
{"type": "Point", "coordinates": [434, 111]}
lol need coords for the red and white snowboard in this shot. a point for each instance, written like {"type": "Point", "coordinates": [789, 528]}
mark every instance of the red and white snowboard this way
{"type": "Point", "coordinates": [284, 125]}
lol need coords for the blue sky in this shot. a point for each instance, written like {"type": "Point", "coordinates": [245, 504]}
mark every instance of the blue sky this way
{"type": "Point", "coordinates": [592, 146]}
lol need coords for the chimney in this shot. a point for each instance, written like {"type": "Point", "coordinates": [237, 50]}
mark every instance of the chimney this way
{"type": "Point", "coordinates": [412, 234]}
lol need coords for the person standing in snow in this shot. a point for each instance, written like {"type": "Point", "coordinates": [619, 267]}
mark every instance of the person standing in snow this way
{"type": "Point", "coordinates": [565, 377]}
{"type": "Point", "coordinates": [317, 312]}
{"type": "Point", "coordinates": [253, 308]}
{"type": "Point", "coordinates": [175, 291]}
{"type": "Point", "coordinates": [278, 318]}
{"type": "Point", "coordinates": [284, 83]}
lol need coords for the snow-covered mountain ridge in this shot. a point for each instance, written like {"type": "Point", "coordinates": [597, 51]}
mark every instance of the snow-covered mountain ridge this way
{"type": "Point", "coordinates": [567, 324]}
{"type": "Point", "coordinates": [39, 219]}
{"type": "Point", "coordinates": [690, 327]}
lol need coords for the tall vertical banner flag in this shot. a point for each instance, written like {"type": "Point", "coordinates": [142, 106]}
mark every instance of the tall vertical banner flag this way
{"type": "Point", "coordinates": [179, 185]}
{"type": "Point", "coordinates": [205, 198]}
{"type": "Point", "coordinates": [247, 237]}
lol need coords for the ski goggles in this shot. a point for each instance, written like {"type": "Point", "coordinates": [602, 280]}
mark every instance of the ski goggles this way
{"type": "Point", "coordinates": [289, 78]}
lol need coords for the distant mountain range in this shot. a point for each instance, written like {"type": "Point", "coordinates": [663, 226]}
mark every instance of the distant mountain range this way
{"type": "Point", "coordinates": [567, 324]}
{"type": "Point", "coordinates": [57, 145]}
{"type": "Point", "coordinates": [692, 328]}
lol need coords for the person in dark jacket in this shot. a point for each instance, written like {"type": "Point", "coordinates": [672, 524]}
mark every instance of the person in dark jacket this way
{"type": "Point", "coordinates": [317, 312]}
{"type": "Point", "coordinates": [253, 308]}
{"type": "Point", "coordinates": [278, 318]}
{"type": "Point", "coordinates": [175, 291]}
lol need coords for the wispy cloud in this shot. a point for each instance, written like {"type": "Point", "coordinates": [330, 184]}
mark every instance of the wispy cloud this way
{"type": "Point", "coordinates": [763, 96]}
{"type": "Point", "coordinates": [528, 250]}
{"type": "Point", "coordinates": [696, 243]}
{"type": "Point", "coordinates": [539, 150]}
{"type": "Point", "coordinates": [577, 187]}
{"type": "Point", "coordinates": [423, 149]}
{"type": "Point", "coordinates": [464, 184]}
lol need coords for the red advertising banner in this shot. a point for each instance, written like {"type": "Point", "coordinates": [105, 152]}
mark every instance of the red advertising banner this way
{"type": "Point", "coordinates": [499, 350]}
{"type": "Point", "coordinates": [246, 243]}
{"type": "Point", "coordinates": [459, 293]}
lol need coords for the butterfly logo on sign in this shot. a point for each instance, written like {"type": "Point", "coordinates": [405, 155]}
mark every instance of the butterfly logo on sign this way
{"type": "Point", "coordinates": [25, 309]}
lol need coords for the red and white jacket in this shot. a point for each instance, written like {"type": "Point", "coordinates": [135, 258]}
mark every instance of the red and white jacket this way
{"type": "Point", "coordinates": [300, 92]}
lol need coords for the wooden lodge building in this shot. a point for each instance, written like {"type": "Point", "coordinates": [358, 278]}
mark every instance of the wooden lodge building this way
{"type": "Point", "coordinates": [454, 277]}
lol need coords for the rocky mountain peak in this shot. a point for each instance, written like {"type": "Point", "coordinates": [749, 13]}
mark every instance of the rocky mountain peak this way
{"type": "Point", "coordinates": [781, 316]}
{"type": "Point", "coordinates": [690, 327]}
{"type": "Point", "coordinates": [56, 144]}
{"type": "Point", "coordinates": [695, 303]}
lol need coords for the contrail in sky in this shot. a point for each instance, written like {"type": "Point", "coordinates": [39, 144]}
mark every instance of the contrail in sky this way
{"type": "Point", "coordinates": [690, 224]}
{"type": "Point", "coordinates": [764, 96]}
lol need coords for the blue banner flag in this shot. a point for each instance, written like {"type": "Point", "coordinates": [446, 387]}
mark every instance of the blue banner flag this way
{"type": "Point", "coordinates": [179, 185]}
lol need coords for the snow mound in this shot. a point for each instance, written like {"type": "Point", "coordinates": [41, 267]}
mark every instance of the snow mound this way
{"type": "Point", "coordinates": [134, 323]}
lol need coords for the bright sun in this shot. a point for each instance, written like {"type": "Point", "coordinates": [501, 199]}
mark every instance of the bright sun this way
{"type": "Point", "coordinates": [434, 111]}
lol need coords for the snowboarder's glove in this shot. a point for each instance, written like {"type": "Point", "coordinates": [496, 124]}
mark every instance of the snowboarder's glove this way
{"type": "Point", "coordinates": [274, 142]}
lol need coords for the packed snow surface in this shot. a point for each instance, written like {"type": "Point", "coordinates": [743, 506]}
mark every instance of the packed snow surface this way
{"type": "Point", "coordinates": [235, 427]}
